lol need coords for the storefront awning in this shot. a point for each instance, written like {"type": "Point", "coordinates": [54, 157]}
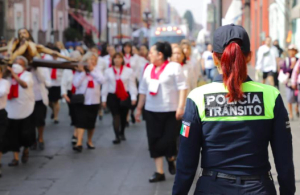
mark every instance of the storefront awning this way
{"type": "Point", "coordinates": [295, 12]}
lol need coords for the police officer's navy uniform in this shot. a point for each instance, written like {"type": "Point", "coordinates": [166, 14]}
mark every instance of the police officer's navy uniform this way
{"type": "Point", "coordinates": [233, 139]}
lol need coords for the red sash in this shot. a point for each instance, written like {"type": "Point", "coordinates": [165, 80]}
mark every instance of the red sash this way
{"type": "Point", "coordinates": [120, 89]}
{"type": "Point", "coordinates": [14, 88]}
{"type": "Point", "coordinates": [127, 60]}
{"type": "Point", "coordinates": [156, 75]}
{"type": "Point", "coordinates": [53, 74]}
{"type": "Point", "coordinates": [73, 90]}
{"type": "Point", "coordinates": [91, 81]}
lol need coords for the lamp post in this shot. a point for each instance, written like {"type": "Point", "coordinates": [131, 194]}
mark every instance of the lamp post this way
{"type": "Point", "coordinates": [99, 35]}
{"type": "Point", "coordinates": [120, 6]}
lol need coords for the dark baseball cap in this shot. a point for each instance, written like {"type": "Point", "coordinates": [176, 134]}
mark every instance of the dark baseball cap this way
{"type": "Point", "coordinates": [225, 34]}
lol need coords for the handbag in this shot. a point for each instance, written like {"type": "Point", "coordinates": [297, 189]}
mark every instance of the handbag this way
{"type": "Point", "coordinates": [283, 78]}
{"type": "Point", "coordinates": [78, 98]}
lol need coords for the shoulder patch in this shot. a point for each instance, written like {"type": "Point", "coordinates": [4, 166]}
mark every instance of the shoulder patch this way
{"type": "Point", "coordinates": [185, 129]}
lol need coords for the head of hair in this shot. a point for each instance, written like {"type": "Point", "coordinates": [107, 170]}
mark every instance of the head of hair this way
{"type": "Point", "coordinates": [234, 67]}
{"type": "Point", "coordinates": [164, 48]}
{"type": "Point", "coordinates": [127, 44]}
{"type": "Point", "coordinates": [60, 44]}
{"type": "Point", "coordinates": [117, 54]}
{"type": "Point", "coordinates": [87, 56]}
{"type": "Point", "coordinates": [30, 36]}
{"type": "Point", "coordinates": [56, 49]}
{"type": "Point", "coordinates": [181, 50]}
{"type": "Point", "coordinates": [23, 59]}
{"type": "Point", "coordinates": [144, 45]}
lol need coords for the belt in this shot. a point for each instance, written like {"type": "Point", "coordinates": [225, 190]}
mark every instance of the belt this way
{"type": "Point", "coordinates": [235, 177]}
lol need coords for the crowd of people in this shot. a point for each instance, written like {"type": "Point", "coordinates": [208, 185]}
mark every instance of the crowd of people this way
{"type": "Point", "coordinates": [133, 83]}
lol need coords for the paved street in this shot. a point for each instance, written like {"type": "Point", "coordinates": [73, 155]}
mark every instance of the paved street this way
{"type": "Point", "coordinates": [109, 170]}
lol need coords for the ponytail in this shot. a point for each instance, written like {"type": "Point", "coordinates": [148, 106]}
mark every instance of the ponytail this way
{"type": "Point", "coordinates": [234, 67]}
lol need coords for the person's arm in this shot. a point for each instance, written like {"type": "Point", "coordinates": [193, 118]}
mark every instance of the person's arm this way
{"type": "Point", "coordinates": [143, 90]}
{"type": "Point", "coordinates": [22, 83]}
{"type": "Point", "coordinates": [182, 86]}
{"type": "Point", "coordinates": [181, 104]}
{"type": "Point", "coordinates": [295, 74]}
{"type": "Point", "coordinates": [132, 88]}
{"type": "Point", "coordinates": [98, 76]}
{"type": "Point", "coordinates": [259, 60]}
{"type": "Point", "coordinates": [64, 82]}
{"type": "Point", "coordinates": [79, 77]}
{"type": "Point", "coordinates": [281, 143]}
{"type": "Point", "coordinates": [189, 150]}
{"type": "Point", "coordinates": [4, 89]}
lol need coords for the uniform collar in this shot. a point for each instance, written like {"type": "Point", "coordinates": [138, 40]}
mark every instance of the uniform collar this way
{"type": "Point", "coordinates": [219, 78]}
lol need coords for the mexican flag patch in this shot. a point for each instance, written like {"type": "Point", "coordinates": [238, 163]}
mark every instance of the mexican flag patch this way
{"type": "Point", "coordinates": [185, 129]}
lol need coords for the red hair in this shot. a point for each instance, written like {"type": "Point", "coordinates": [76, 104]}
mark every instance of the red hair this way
{"type": "Point", "coordinates": [234, 68]}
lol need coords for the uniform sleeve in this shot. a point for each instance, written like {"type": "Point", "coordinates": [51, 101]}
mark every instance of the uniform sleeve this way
{"type": "Point", "coordinates": [132, 88]}
{"type": "Point", "coordinates": [98, 76]}
{"type": "Point", "coordinates": [281, 143]}
{"type": "Point", "coordinates": [104, 90]}
{"type": "Point", "coordinates": [189, 150]}
{"type": "Point", "coordinates": [181, 81]}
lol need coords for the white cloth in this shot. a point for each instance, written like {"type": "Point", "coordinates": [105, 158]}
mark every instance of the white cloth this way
{"type": "Point", "coordinates": [207, 56]}
{"type": "Point", "coordinates": [4, 91]}
{"type": "Point", "coordinates": [266, 58]}
{"type": "Point", "coordinates": [126, 77]}
{"type": "Point", "coordinates": [22, 107]}
{"type": "Point", "coordinates": [92, 95]}
{"type": "Point", "coordinates": [171, 80]}
{"type": "Point", "coordinates": [66, 81]}
{"type": "Point", "coordinates": [41, 80]}
{"type": "Point", "coordinates": [102, 64]}
{"type": "Point", "coordinates": [54, 82]}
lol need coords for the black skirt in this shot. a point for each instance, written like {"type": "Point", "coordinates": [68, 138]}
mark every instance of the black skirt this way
{"type": "Point", "coordinates": [3, 127]}
{"type": "Point", "coordinates": [115, 105]}
{"type": "Point", "coordinates": [54, 94]}
{"type": "Point", "coordinates": [20, 132]}
{"type": "Point", "coordinates": [85, 116]}
{"type": "Point", "coordinates": [162, 132]}
{"type": "Point", "coordinates": [39, 114]}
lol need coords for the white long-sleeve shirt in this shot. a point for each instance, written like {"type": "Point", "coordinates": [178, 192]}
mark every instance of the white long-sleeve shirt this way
{"type": "Point", "coordinates": [22, 107]}
{"type": "Point", "coordinates": [266, 58]}
{"type": "Point", "coordinates": [171, 81]}
{"type": "Point", "coordinates": [4, 91]}
{"type": "Point", "coordinates": [128, 81]}
{"type": "Point", "coordinates": [66, 81]}
{"type": "Point", "coordinates": [92, 95]}
{"type": "Point", "coordinates": [102, 64]}
{"type": "Point", "coordinates": [41, 80]}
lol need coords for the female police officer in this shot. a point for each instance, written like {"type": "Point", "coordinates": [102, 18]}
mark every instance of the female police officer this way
{"type": "Point", "coordinates": [232, 121]}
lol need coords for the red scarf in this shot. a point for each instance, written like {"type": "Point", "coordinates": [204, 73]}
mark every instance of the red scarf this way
{"type": "Point", "coordinates": [53, 74]}
{"type": "Point", "coordinates": [127, 60]}
{"type": "Point", "coordinates": [91, 81]}
{"type": "Point", "coordinates": [14, 88]}
{"type": "Point", "coordinates": [73, 90]}
{"type": "Point", "coordinates": [156, 75]}
{"type": "Point", "coordinates": [182, 64]}
{"type": "Point", "coordinates": [120, 89]}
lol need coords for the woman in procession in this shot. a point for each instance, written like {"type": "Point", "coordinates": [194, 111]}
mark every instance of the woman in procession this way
{"type": "Point", "coordinates": [87, 81]}
{"type": "Point", "coordinates": [231, 122]}
{"type": "Point", "coordinates": [287, 67]}
{"type": "Point", "coordinates": [119, 94]}
{"type": "Point", "coordinates": [20, 106]}
{"type": "Point", "coordinates": [163, 91]}
{"type": "Point", "coordinates": [4, 91]}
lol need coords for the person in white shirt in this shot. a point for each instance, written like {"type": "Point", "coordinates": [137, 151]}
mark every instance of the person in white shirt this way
{"type": "Point", "coordinates": [119, 94]}
{"type": "Point", "coordinates": [111, 52]}
{"type": "Point", "coordinates": [55, 90]}
{"type": "Point", "coordinates": [4, 90]}
{"type": "Point", "coordinates": [187, 50]}
{"type": "Point", "coordinates": [208, 63]}
{"type": "Point", "coordinates": [63, 50]}
{"type": "Point", "coordinates": [267, 60]}
{"type": "Point", "coordinates": [87, 81]}
{"type": "Point", "coordinates": [101, 63]}
{"type": "Point", "coordinates": [144, 60]}
{"type": "Point", "coordinates": [163, 90]}
{"type": "Point", "coordinates": [41, 80]}
{"type": "Point", "coordinates": [20, 106]}
{"type": "Point", "coordinates": [178, 56]}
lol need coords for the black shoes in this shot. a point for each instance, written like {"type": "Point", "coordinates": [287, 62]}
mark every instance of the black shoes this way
{"type": "Point", "coordinates": [56, 122]}
{"type": "Point", "coordinates": [157, 177]}
{"type": "Point", "coordinates": [34, 146]}
{"type": "Point", "coordinates": [74, 140]}
{"type": "Point", "coordinates": [100, 118]}
{"type": "Point", "coordinates": [14, 163]}
{"type": "Point", "coordinates": [77, 148]}
{"type": "Point", "coordinates": [90, 147]}
{"type": "Point", "coordinates": [41, 145]}
{"type": "Point", "coordinates": [172, 166]}
{"type": "Point", "coordinates": [52, 116]}
{"type": "Point", "coordinates": [116, 141]}
{"type": "Point", "coordinates": [122, 138]}
{"type": "Point", "coordinates": [132, 118]}
{"type": "Point", "coordinates": [25, 157]}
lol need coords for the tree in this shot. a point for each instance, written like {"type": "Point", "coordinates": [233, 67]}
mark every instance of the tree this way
{"type": "Point", "coordinates": [190, 19]}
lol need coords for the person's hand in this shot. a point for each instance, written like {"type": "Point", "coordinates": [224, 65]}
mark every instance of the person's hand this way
{"type": "Point", "coordinates": [66, 98]}
{"type": "Point", "coordinates": [294, 87]}
{"type": "Point", "coordinates": [104, 105]}
{"type": "Point", "coordinates": [179, 113]}
{"type": "Point", "coordinates": [13, 74]}
{"type": "Point", "coordinates": [133, 103]}
{"type": "Point", "coordinates": [138, 115]}
{"type": "Point", "coordinates": [80, 68]}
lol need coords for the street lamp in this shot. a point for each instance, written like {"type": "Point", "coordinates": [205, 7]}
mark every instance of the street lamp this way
{"type": "Point", "coordinates": [120, 6]}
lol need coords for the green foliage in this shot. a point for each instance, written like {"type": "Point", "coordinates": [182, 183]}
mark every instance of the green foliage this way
{"type": "Point", "coordinates": [190, 19]}
{"type": "Point", "coordinates": [71, 34]}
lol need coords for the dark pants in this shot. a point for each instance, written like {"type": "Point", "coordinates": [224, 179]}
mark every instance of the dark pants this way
{"type": "Point", "coordinates": [217, 186]}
